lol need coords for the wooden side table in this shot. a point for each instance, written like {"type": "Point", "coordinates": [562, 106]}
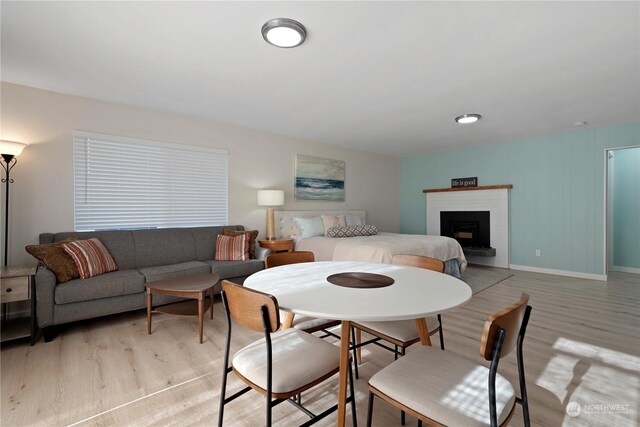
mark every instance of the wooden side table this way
{"type": "Point", "coordinates": [195, 287]}
{"type": "Point", "coordinates": [277, 245]}
{"type": "Point", "coordinates": [19, 284]}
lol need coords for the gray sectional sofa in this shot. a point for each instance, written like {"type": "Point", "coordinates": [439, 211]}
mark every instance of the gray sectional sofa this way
{"type": "Point", "coordinates": [142, 256]}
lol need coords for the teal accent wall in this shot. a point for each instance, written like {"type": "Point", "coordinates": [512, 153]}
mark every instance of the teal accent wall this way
{"type": "Point", "coordinates": [557, 200]}
{"type": "Point", "coordinates": [626, 208]}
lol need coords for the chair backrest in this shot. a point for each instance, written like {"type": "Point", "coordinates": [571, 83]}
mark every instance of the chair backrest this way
{"type": "Point", "coordinates": [510, 320]}
{"type": "Point", "coordinates": [419, 261]}
{"type": "Point", "coordinates": [243, 305]}
{"type": "Point", "coordinates": [284, 258]}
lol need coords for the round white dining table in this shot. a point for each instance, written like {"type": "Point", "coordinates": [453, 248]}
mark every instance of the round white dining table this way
{"type": "Point", "coordinates": [415, 294]}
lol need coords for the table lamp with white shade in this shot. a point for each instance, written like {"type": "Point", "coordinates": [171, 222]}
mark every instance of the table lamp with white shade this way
{"type": "Point", "coordinates": [270, 198]}
{"type": "Point", "coordinates": [8, 150]}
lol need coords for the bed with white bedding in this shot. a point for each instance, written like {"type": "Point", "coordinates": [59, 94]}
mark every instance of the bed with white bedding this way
{"type": "Point", "coordinates": [378, 248]}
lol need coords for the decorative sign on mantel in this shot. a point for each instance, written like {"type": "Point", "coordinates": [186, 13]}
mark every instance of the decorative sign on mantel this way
{"type": "Point", "coordinates": [464, 182]}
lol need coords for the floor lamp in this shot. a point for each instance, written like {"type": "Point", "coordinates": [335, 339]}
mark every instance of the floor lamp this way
{"type": "Point", "coordinates": [8, 150]}
{"type": "Point", "coordinates": [270, 198]}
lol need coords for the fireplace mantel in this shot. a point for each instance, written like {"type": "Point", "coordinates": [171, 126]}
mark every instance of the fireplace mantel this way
{"type": "Point", "coordinates": [486, 187]}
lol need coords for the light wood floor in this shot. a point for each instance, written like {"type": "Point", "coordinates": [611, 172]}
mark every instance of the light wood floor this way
{"type": "Point", "coordinates": [582, 345]}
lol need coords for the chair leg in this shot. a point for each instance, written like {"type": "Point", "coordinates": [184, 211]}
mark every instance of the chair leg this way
{"type": "Point", "coordinates": [402, 414]}
{"type": "Point", "coordinates": [269, 407]}
{"type": "Point", "coordinates": [222, 397]}
{"type": "Point", "coordinates": [441, 332]}
{"type": "Point", "coordinates": [524, 400]}
{"type": "Point", "coordinates": [359, 349]}
{"type": "Point", "coordinates": [352, 392]}
{"type": "Point", "coordinates": [370, 409]}
{"type": "Point", "coordinates": [225, 363]}
{"type": "Point", "coordinates": [354, 342]}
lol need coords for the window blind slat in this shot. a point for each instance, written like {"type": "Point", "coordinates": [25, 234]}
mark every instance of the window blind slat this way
{"type": "Point", "coordinates": [124, 183]}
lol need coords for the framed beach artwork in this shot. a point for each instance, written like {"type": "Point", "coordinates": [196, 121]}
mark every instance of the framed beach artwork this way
{"type": "Point", "coordinates": [318, 178]}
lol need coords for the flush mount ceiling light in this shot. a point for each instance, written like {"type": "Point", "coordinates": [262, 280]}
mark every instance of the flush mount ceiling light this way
{"type": "Point", "coordinates": [284, 32]}
{"type": "Point", "coordinates": [468, 118]}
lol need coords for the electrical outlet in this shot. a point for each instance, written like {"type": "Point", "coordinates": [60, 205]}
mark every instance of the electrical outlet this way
{"type": "Point", "coordinates": [537, 252]}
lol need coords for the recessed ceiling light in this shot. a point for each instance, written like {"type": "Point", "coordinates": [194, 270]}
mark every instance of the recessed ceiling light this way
{"type": "Point", "coordinates": [284, 32]}
{"type": "Point", "coordinates": [580, 123]}
{"type": "Point", "coordinates": [468, 118]}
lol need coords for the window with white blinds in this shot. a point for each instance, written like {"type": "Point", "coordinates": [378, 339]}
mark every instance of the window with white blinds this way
{"type": "Point", "coordinates": [126, 183]}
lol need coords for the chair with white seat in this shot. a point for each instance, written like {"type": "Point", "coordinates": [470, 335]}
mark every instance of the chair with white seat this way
{"type": "Point", "coordinates": [281, 365]}
{"type": "Point", "coordinates": [304, 323]}
{"type": "Point", "coordinates": [443, 388]}
{"type": "Point", "coordinates": [400, 333]}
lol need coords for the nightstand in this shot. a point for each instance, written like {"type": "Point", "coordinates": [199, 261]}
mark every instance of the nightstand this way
{"type": "Point", "coordinates": [18, 284]}
{"type": "Point", "coordinates": [277, 245]}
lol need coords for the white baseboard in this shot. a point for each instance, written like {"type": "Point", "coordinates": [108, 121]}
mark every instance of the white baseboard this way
{"type": "Point", "coordinates": [602, 277]}
{"type": "Point", "coordinates": [626, 269]}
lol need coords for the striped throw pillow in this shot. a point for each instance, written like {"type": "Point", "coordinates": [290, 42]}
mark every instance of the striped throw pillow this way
{"type": "Point", "coordinates": [91, 257]}
{"type": "Point", "coordinates": [232, 248]}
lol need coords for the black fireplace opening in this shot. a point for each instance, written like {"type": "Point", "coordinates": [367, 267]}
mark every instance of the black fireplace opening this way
{"type": "Point", "coordinates": [469, 228]}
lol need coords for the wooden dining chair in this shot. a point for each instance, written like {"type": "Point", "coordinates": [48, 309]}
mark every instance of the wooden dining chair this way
{"type": "Point", "coordinates": [401, 333]}
{"type": "Point", "coordinates": [284, 258]}
{"type": "Point", "coordinates": [443, 388]}
{"type": "Point", "coordinates": [304, 323]}
{"type": "Point", "coordinates": [281, 365]}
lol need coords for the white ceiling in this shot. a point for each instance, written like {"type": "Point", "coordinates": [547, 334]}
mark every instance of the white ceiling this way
{"type": "Point", "coordinates": [386, 77]}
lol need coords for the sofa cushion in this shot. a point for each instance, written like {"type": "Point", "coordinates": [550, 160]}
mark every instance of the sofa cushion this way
{"type": "Point", "coordinates": [56, 259]}
{"type": "Point", "coordinates": [230, 269]}
{"type": "Point", "coordinates": [90, 257]}
{"type": "Point", "coordinates": [116, 283]}
{"type": "Point", "coordinates": [163, 246]}
{"type": "Point", "coordinates": [175, 270]}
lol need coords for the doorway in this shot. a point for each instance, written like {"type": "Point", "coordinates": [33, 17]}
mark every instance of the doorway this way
{"type": "Point", "coordinates": [623, 210]}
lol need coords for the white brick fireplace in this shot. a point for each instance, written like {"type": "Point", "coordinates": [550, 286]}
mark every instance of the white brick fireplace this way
{"type": "Point", "coordinates": [494, 199]}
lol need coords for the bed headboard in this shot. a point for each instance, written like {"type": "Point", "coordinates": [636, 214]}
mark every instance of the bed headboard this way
{"type": "Point", "coordinates": [284, 219]}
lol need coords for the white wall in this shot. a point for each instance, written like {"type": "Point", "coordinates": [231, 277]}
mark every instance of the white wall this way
{"type": "Point", "coordinates": [42, 194]}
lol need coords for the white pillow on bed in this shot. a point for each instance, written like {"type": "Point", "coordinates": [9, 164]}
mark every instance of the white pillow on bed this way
{"type": "Point", "coordinates": [353, 220]}
{"type": "Point", "coordinates": [309, 227]}
{"type": "Point", "coordinates": [332, 221]}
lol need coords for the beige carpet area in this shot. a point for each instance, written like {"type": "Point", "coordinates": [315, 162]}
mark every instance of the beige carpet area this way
{"type": "Point", "coordinates": [480, 277]}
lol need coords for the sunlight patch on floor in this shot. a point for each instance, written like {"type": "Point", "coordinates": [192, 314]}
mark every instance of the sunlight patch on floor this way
{"type": "Point", "coordinates": [589, 377]}
{"type": "Point", "coordinates": [602, 401]}
{"type": "Point", "coordinates": [594, 352]}
{"type": "Point", "coordinates": [557, 375]}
